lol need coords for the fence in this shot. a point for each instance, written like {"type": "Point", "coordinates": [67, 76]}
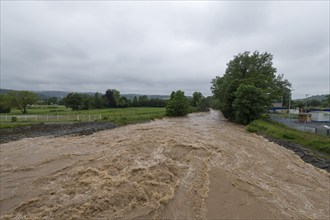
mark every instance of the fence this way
{"type": "Point", "coordinates": [312, 127]}
{"type": "Point", "coordinates": [48, 118]}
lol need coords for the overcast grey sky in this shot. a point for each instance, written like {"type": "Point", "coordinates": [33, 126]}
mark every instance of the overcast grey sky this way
{"type": "Point", "coordinates": [156, 47]}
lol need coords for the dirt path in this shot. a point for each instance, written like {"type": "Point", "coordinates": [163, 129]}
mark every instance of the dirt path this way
{"type": "Point", "coordinates": [180, 168]}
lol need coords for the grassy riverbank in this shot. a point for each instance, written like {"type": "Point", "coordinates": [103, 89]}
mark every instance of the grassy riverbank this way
{"type": "Point", "coordinates": [118, 116]}
{"type": "Point", "coordinates": [282, 132]}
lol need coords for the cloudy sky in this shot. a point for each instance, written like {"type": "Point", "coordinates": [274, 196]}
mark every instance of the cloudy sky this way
{"type": "Point", "coordinates": [156, 47]}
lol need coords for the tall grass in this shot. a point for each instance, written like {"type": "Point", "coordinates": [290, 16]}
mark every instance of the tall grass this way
{"type": "Point", "coordinates": [282, 132]}
{"type": "Point", "coordinates": [118, 116]}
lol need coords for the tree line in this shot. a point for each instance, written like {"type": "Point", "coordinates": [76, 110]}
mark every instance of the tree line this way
{"type": "Point", "coordinates": [310, 103]}
{"type": "Point", "coordinates": [111, 99]}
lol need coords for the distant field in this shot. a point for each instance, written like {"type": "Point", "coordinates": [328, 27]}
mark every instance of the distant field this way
{"type": "Point", "coordinates": [43, 114]}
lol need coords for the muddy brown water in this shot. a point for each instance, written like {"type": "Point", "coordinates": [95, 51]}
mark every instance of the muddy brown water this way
{"type": "Point", "coordinates": [197, 167]}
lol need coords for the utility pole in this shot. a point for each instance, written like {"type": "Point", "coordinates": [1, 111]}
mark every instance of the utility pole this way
{"type": "Point", "coordinates": [290, 104]}
{"type": "Point", "coordinates": [306, 102]}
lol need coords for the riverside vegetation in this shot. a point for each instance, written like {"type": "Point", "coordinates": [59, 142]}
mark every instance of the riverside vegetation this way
{"type": "Point", "coordinates": [118, 116]}
{"type": "Point", "coordinates": [106, 107]}
{"type": "Point", "coordinates": [282, 132]}
{"type": "Point", "coordinates": [247, 90]}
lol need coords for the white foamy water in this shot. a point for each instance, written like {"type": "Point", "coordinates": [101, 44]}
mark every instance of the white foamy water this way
{"type": "Point", "coordinates": [196, 167]}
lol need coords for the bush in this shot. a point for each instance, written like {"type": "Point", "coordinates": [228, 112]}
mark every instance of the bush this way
{"type": "Point", "coordinates": [192, 109]}
{"type": "Point", "coordinates": [251, 129]}
{"type": "Point", "coordinates": [250, 102]}
{"type": "Point", "coordinates": [178, 105]}
{"type": "Point", "coordinates": [202, 105]}
{"type": "Point", "coordinates": [4, 109]}
{"type": "Point", "coordinates": [13, 119]}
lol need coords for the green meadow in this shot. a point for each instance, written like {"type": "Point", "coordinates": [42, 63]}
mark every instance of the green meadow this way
{"type": "Point", "coordinates": [44, 114]}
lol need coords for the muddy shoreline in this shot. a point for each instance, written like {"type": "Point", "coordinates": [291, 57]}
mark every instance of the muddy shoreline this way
{"type": "Point", "coordinates": [54, 129]}
{"type": "Point", "coordinates": [317, 159]}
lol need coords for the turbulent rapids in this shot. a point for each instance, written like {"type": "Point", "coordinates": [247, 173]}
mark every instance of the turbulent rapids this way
{"type": "Point", "coordinates": [197, 167]}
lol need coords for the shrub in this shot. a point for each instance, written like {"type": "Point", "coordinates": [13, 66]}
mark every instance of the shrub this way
{"type": "Point", "coordinates": [202, 105]}
{"type": "Point", "coordinates": [178, 105]}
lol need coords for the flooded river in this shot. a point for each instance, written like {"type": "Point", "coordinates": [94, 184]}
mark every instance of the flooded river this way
{"type": "Point", "coordinates": [197, 167]}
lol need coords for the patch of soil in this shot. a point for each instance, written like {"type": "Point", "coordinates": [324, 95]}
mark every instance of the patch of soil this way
{"type": "Point", "coordinates": [55, 129]}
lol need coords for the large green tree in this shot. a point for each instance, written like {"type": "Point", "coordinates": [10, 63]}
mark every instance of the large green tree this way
{"type": "Point", "coordinates": [197, 96]}
{"type": "Point", "coordinates": [20, 100]}
{"type": "Point", "coordinates": [98, 101]}
{"type": "Point", "coordinates": [4, 107]}
{"type": "Point", "coordinates": [113, 98]}
{"type": "Point", "coordinates": [255, 71]}
{"type": "Point", "coordinates": [178, 105]}
{"type": "Point", "coordinates": [75, 101]}
{"type": "Point", "coordinates": [249, 103]}
{"type": "Point", "coordinates": [203, 105]}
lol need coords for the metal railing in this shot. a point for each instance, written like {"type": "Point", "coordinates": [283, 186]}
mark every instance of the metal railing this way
{"type": "Point", "coordinates": [311, 127]}
{"type": "Point", "coordinates": [48, 118]}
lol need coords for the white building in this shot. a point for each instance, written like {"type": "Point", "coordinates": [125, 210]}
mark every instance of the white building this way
{"type": "Point", "coordinates": [294, 111]}
{"type": "Point", "coordinates": [322, 116]}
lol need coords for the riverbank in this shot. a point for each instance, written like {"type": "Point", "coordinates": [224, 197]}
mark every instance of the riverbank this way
{"type": "Point", "coordinates": [53, 129]}
{"type": "Point", "coordinates": [317, 159]}
{"type": "Point", "coordinates": [311, 148]}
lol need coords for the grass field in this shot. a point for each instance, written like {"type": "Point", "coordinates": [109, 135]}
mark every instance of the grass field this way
{"type": "Point", "coordinates": [119, 116]}
{"type": "Point", "coordinates": [282, 132]}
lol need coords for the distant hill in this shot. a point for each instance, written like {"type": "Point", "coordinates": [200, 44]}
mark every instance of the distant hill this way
{"type": "Point", "coordinates": [61, 94]}
{"type": "Point", "coordinates": [4, 91]}
{"type": "Point", "coordinates": [317, 97]}
{"type": "Point", "coordinates": [48, 94]}
{"type": "Point", "coordinates": [131, 96]}
{"type": "Point", "coordinates": [42, 94]}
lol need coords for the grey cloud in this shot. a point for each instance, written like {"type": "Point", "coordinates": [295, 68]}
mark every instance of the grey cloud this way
{"type": "Point", "coordinates": [157, 47]}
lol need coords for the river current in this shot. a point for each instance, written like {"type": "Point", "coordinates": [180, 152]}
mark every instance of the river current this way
{"type": "Point", "coordinates": [196, 167]}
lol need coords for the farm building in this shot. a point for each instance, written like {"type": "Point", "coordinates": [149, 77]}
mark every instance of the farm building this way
{"type": "Point", "coordinates": [321, 116]}
{"type": "Point", "coordinates": [294, 111]}
{"type": "Point", "coordinates": [304, 117]}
